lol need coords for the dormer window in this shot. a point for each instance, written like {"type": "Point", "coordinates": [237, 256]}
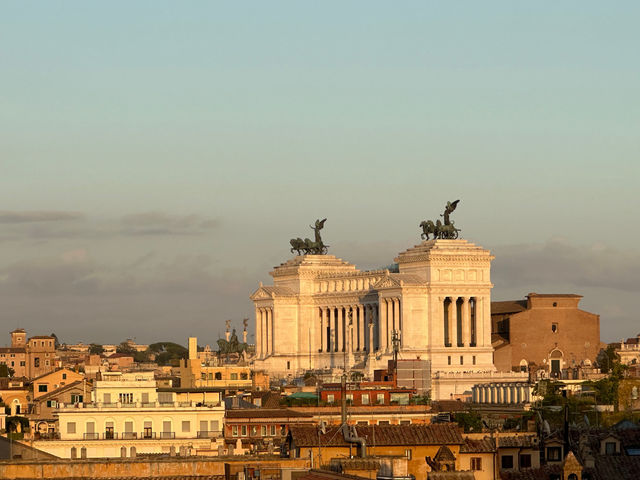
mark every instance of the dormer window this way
{"type": "Point", "coordinates": [554, 327]}
{"type": "Point", "coordinates": [610, 448]}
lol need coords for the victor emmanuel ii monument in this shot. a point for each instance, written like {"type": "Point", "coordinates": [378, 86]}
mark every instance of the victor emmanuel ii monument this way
{"type": "Point", "coordinates": [322, 312]}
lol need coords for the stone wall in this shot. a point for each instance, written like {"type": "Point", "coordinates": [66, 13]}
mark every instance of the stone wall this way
{"type": "Point", "coordinates": [136, 468]}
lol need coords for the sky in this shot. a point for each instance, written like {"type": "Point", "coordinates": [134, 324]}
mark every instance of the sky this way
{"type": "Point", "coordinates": [156, 157]}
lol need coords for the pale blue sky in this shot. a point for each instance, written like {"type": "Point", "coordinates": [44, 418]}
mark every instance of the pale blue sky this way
{"type": "Point", "coordinates": [239, 124]}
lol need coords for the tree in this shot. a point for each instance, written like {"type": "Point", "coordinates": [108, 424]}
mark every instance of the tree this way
{"type": "Point", "coordinates": [607, 358]}
{"type": "Point", "coordinates": [95, 349]}
{"type": "Point", "coordinates": [6, 371]}
{"type": "Point", "coordinates": [124, 347]}
{"type": "Point", "coordinates": [56, 343]}
{"type": "Point", "coordinates": [470, 421]}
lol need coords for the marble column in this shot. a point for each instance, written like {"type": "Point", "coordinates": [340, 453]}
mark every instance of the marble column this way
{"type": "Point", "coordinates": [398, 318]}
{"type": "Point", "coordinates": [271, 343]}
{"type": "Point", "coordinates": [323, 330]}
{"type": "Point", "coordinates": [466, 322]}
{"type": "Point", "coordinates": [370, 319]}
{"type": "Point", "coordinates": [382, 325]}
{"type": "Point", "coordinates": [332, 329]}
{"type": "Point", "coordinates": [340, 329]}
{"type": "Point", "coordinates": [452, 317]}
{"type": "Point", "coordinates": [258, 334]}
{"type": "Point", "coordinates": [390, 324]}
{"type": "Point", "coordinates": [361, 340]}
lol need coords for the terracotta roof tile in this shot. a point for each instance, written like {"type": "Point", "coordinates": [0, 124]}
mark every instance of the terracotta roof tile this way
{"type": "Point", "coordinates": [444, 434]}
{"type": "Point", "coordinates": [483, 445]}
{"type": "Point", "coordinates": [266, 413]}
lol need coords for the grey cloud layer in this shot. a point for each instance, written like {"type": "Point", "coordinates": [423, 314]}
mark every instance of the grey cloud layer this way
{"type": "Point", "coordinates": [38, 216]}
{"type": "Point", "coordinates": [43, 226]}
{"type": "Point", "coordinates": [557, 262]}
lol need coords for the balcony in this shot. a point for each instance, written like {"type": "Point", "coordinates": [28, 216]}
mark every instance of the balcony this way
{"type": "Point", "coordinates": [91, 436]}
{"type": "Point", "coordinates": [208, 433]}
{"type": "Point", "coordinates": [129, 435]}
{"type": "Point", "coordinates": [147, 435]}
{"type": "Point", "coordinates": [167, 435]}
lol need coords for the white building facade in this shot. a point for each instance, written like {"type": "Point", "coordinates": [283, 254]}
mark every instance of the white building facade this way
{"type": "Point", "coordinates": [127, 417]}
{"type": "Point", "coordinates": [322, 313]}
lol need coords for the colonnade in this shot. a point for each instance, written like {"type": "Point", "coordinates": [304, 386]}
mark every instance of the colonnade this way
{"type": "Point", "coordinates": [460, 317]}
{"type": "Point", "coordinates": [502, 393]}
{"type": "Point", "coordinates": [264, 332]}
{"type": "Point", "coordinates": [358, 328]}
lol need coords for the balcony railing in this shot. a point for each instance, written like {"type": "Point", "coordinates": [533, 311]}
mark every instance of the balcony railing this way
{"type": "Point", "coordinates": [147, 435]}
{"type": "Point", "coordinates": [91, 436]}
{"type": "Point", "coordinates": [167, 434]}
{"type": "Point", "coordinates": [209, 433]}
{"type": "Point", "coordinates": [129, 435]}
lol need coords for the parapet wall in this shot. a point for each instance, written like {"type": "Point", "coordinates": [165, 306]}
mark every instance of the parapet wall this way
{"type": "Point", "coordinates": [130, 468]}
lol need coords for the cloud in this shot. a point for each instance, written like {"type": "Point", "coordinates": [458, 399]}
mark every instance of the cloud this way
{"type": "Point", "coordinates": [38, 216]}
{"type": "Point", "coordinates": [161, 223]}
{"type": "Point", "coordinates": [558, 262]}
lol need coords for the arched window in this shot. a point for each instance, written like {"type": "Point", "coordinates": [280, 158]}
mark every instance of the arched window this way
{"type": "Point", "coordinates": [524, 365]}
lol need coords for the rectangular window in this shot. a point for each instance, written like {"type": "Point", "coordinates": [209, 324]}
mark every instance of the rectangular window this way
{"type": "Point", "coordinates": [365, 399]}
{"type": "Point", "coordinates": [36, 362]}
{"type": "Point", "coordinates": [23, 363]}
{"type": "Point", "coordinates": [449, 360]}
{"type": "Point", "coordinates": [186, 426]}
{"type": "Point", "coordinates": [203, 425]}
{"type": "Point", "coordinates": [273, 430]}
{"type": "Point", "coordinates": [145, 397]}
{"type": "Point", "coordinates": [254, 430]}
{"type": "Point", "coordinates": [473, 359]}
{"type": "Point", "coordinates": [507, 462]}
{"type": "Point", "coordinates": [64, 376]}
{"type": "Point", "coordinates": [331, 398]}
{"type": "Point", "coordinates": [525, 460]}
{"type": "Point", "coordinates": [106, 398]}
{"type": "Point", "coordinates": [383, 422]}
{"type": "Point", "coordinates": [461, 360]}
{"type": "Point", "coordinates": [52, 403]}
{"type": "Point", "coordinates": [75, 398]}
{"type": "Point", "coordinates": [350, 398]}
{"type": "Point", "coordinates": [610, 448]}
{"type": "Point", "coordinates": [42, 388]}
{"type": "Point", "coordinates": [234, 431]}
{"type": "Point", "coordinates": [243, 430]}
{"type": "Point", "coordinates": [234, 376]}
{"type": "Point", "coordinates": [214, 426]}
{"type": "Point", "coordinates": [553, 454]}
{"type": "Point", "coordinates": [408, 453]}
{"type": "Point", "coordinates": [476, 463]}
{"type": "Point", "coordinates": [380, 399]}
{"type": "Point", "coordinates": [405, 422]}
{"type": "Point", "coordinates": [71, 427]}
{"type": "Point", "coordinates": [91, 428]}
{"type": "Point", "coordinates": [128, 427]}
{"type": "Point", "coordinates": [263, 430]}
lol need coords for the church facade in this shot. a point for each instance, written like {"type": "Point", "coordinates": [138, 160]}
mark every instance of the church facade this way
{"type": "Point", "coordinates": [323, 313]}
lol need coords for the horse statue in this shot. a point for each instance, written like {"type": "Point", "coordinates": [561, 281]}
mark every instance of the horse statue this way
{"type": "Point", "coordinates": [445, 230]}
{"type": "Point", "coordinates": [308, 246]}
{"type": "Point", "coordinates": [428, 227]}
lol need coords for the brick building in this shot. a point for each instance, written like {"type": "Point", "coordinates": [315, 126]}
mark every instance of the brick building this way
{"type": "Point", "coordinates": [544, 332]}
{"type": "Point", "coordinates": [29, 358]}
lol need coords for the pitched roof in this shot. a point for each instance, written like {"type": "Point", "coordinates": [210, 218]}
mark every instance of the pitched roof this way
{"type": "Point", "coordinates": [509, 306]}
{"type": "Point", "coordinates": [483, 445]}
{"type": "Point", "coordinates": [52, 372]}
{"type": "Point", "coordinates": [266, 413]}
{"type": "Point", "coordinates": [58, 391]}
{"type": "Point", "coordinates": [517, 441]}
{"type": "Point", "coordinates": [380, 435]}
